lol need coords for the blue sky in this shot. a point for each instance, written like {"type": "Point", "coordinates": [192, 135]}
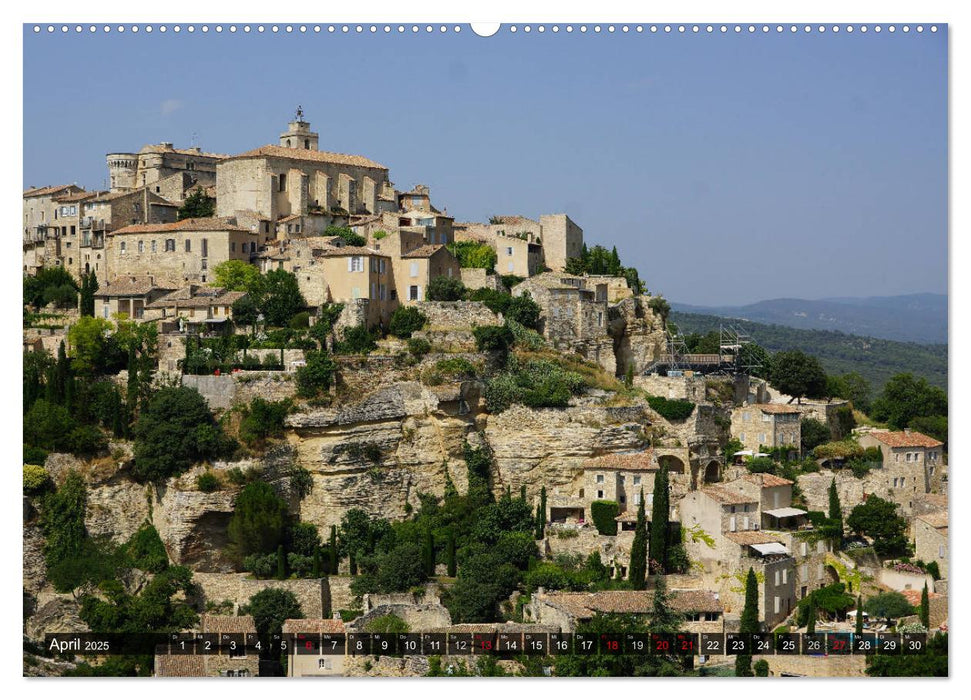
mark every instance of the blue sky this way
{"type": "Point", "coordinates": [726, 168]}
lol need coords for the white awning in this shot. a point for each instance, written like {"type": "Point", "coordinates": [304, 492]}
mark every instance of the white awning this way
{"type": "Point", "coordinates": [770, 548]}
{"type": "Point", "coordinates": [785, 512]}
{"type": "Point", "coordinates": [744, 453]}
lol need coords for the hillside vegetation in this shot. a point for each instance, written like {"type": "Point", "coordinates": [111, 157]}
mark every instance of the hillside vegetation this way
{"type": "Point", "coordinates": [875, 359]}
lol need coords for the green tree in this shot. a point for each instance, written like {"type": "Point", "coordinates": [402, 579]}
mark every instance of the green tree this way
{"type": "Point", "coordinates": [49, 426]}
{"type": "Point", "coordinates": [270, 608]}
{"type": "Point", "coordinates": [858, 628]}
{"type": "Point", "coordinates": [62, 520]}
{"type": "Point", "coordinates": [406, 320]}
{"type": "Point", "coordinates": [932, 662]}
{"type": "Point", "coordinates": [761, 668]}
{"type": "Point", "coordinates": [450, 561]}
{"type": "Point", "coordinates": [316, 374]}
{"type": "Point", "coordinates": [906, 397]}
{"type": "Point", "coordinates": [281, 297]}
{"type": "Point", "coordinates": [197, 205]}
{"type": "Point", "coordinates": [659, 522]}
{"type": "Point", "coordinates": [245, 311]}
{"type": "Point", "coordinates": [474, 254]}
{"type": "Point", "coordinates": [89, 287]}
{"type": "Point", "coordinates": [238, 276]}
{"type": "Point", "coordinates": [638, 550]}
{"type": "Point", "coordinates": [889, 606]}
{"type": "Point", "coordinates": [800, 375]}
{"type": "Point", "coordinates": [878, 519]}
{"type": "Point", "coordinates": [174, 431]}
{"type": "Point", "coordinates": [259, 521]}
{"type": "Point", "coordinates": [444, 288]}
{"type": "Point", "coordinates": [523, 310]}
{"type": "Point", "coordinates": [749, 623]}
{"type": "Point", "coordinates": [836, 513]}
{"type": "Point", "coordinates": [346, 235]}
{"type": "Point", "coordinates": [813, 434]}
{"type": "Point", "coordinates": [811, 617]}
{"type": "Point", "coordinates": [88, 338]}
{"type": "Point", "coordinates": [925, 608]}
{"type": "Point", "coordinates": [428, 553]}
{"type": "Point", "coordinates": [51, 285]}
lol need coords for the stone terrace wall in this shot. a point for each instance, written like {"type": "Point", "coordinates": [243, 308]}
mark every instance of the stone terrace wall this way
{"type": "Point", "coordinates": [476, 278]}
{"type": "Point", "coordinates": [456, 315]}
{"type": "Point", "coordinates": [312, 594]}
{"type": "Point", "coordinates": [224, 391]}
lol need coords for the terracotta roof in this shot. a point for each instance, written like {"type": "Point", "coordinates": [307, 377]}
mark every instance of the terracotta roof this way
{"type": "Point", "coordinates": [515, 220]}
{"type": "Point", "coordinates": [753, 537]}
{"type": "Point", "coordinates": [936, 520]}
{"type": "Point", "coordinates": [628, 516]}
{"type": "Point", "coordinates": [624, 461]}
{"type": "Point", "coordinates": [77, 196]}
{"type": "Point", "coordinates": [227, 624]}
{"type": "Point", "coordinates": [494, 628]}
{"type": "Point", "coordinates": [313, 626]}
{"type": "Point", "coordinates": [767, 480]}
{"type": "Point", "coordinates": [180, 665]}
{"type": "Point", "coordinates": [209, 224]}
{"type": "Point", "coordinates": [585, 605]}
{"type": "Point", "coordinates": [41, 191]}
{"type": "Point", "coordinates": [727, 495]}
{"type": "Point", "coordinates": [188, 298]}
{"type": "Point", "coordinates": [165, 148]}
{"type": "Point", "coordinates": [935, 499]}
{"type": "Point", "coordinates": [776, 408]}
{"type": "Point", "coordinates": [903, 438]}
{"type": "Point", "coordinates": [347, 251]}
{"type": "Point", "coordinates": [270, 151]}
{"type": "Point", "coordinates": [133, 286]}
{"type": "Point", "coordinates": [425, 251]}
{"type": "Point", "coordinates": [288, 218]}
{"type": "Point", "coordinates": [913, 596]}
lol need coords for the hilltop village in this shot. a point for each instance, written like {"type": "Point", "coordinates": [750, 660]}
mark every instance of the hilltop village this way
{"type": "Point", "coordinates": [270, 392]}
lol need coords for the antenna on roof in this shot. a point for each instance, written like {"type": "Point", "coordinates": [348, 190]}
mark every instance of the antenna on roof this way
{"type": "Point", "coordinates": [299, 115]}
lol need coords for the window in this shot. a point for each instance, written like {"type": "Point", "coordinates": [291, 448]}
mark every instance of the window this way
{"type": "Point", "coordinates": [776, 601]}
{"type": "Point", "coordinates": [820, 547]}
{"type": "Point", "coordinates": [154, 246]}
{"type": "Point", "coordinates": [777, 580]}
{"type": "Point", "coordinates": [283, 182]}
{"type": "Point", "coordinates": [785, 576]}
{"type": "Point", "coordinates": [637, 498]}
{"type": "Point", "coordinates": [205, 247]}
{"type": "Point", "coordinates": [637, 481]}
{"type": "Point", "coordinates": [510, 267]}
{"type": "Point", "coordinates": [761, 438]}
{"type": "Point", "coordinates": [745, 416]}
{"type": "Point", "coordinates": [804, 548]}
{"type": "Point", "coordinates": [650, 499]}
{"type": "Point", "coordinates": [741, 436]}
{"type": "Point", "coordinates": [232, 247]}
{"type": "Point", "coordinates": [509, 250]}
{"type": "Point", "coordinates": [600, 478]}
{"type": "Point", "coordinates": [908, 456]}
{"type": "Point", "coordinates": [355, 263]}
{"type": "Point", "coordinates": [731, 524]}
{"type": "Point", "coordinates": [940, 551]}
{"type": "Point", "coordinates": [141, 246]}
{"type": "Point", "coordinates": [600, 494]}
{"type": "Point", "coordinates": [414, 293]}
{"type": "Point", "coordinates": [414, 269]}
{"type": "Point", "coordinates": [169, 245]}
{"type": "Point", "coordinates": [188, 246]}
{"type": "Point", "coordinates": [600, 318]}
{"type": "Point", "coordinates": [123, 246]}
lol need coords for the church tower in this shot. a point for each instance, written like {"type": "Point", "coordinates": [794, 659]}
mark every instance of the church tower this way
{"type": "Point", "coordinates": [299, 134]}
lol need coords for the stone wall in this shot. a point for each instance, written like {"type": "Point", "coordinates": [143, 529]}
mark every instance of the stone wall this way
{"type": "Point", "coordinates": [477, 278]}
{"type": "Point", "coordinates": [457, 315]}
{"type": "Point", "coordinates": [226, 390]}
{"type": "Point", "coordinates": [418, 616]}
{"type": "Point", "coordinates": [832, 666]}
{"type": "Point", "coordinates": [312, 594]}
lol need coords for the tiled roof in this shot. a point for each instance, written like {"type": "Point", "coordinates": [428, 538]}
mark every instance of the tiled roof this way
{"type": "Point", "coordinates": [913, 596]}
{"type": "Point", "coordinates": [209, 224]}
{"type": "Point", "coordinates": [935, 499]}
{"type": "Point", "coordinates": [227, 624]}
{"type": "Point", "coordinates": [270, 151]}
{"type": "Point", "coordinates": [347, 251]}
{"type": "Point", "coordinates": [936, 520]}
{"type": "Point", "coordinates": [776, 408]}
{"type": "Point", "coordinates": [903, 438]}
{"type": "Point", "coordinates": [624, 461]}
{"type": "Point", "coordinates": [132, 286]}
{"type": "Point", "coordinates": [753, 537]}
{"type": "Point", "coordinates": [76, 196]}
{"type": "Point", "coordinates": [494, 628]}
{"type": "Point", "coordinates": [285, 219]}
{"type": "Point", "coordinates": [425, 251]}
{"type": "Point", "coordinates": [726, 495]}
{"type": "Point", "coordinates": [204, 297]}
{"type": "Point", "coordinates": [585, 605]}
{"type": "Point", "coordinates": [767, 480]}
{"type": "Point", "coordinates": [41, 191]}
{"type": "Point", "coordinates": [313, 626]}
{"type": "Point", "coordinates": [165, 148]}
{"type": "Point", "coordinates": [180, 665]}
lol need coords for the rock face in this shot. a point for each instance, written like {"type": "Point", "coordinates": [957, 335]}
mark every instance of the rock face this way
{"type": "Point", "coordinates": [192, 526]}
{"type": "Point", "coordinates": [638, 333]}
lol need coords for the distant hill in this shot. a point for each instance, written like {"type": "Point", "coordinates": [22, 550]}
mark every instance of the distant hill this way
{"type": "Point", "coordinates": [874, 358]}
{"type": "Point", "coordinates": [914, 318]}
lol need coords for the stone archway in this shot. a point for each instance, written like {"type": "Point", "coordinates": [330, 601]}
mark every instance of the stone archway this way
{"type": "Point", "coordinates": [832, 575]}
{"type": "Point", "coordinates": [712, 472]}
{"type": "Point", "coordinates": [674, 464]}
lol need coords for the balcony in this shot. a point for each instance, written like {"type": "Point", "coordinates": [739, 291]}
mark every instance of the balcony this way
{"type": "Point", "coordinates": [93, 224]}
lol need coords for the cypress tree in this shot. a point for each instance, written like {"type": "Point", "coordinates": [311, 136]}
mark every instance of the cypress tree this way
{"type": "Point", "coordinates": [749, 623]}
{"type": "Point", "coordinates": [352, 563]}
{"type": "Point", "coordinates": [69, 394]}
{"type": "Point", "coordinates": [281, 563]}
{"type": "Point", "coordinates": [638, 551]}
{"type": "Point", "coordinates": [836, 512]}
{"type": "Point", "coordinates": [659, 523]}
{"type": "Point", "coordinates": [925, 608]}
{"type": "Point", "coordinates": [315, 572]}
{"type": "Point", "coordinates": [332, 569]}
{"type": "Point", "coordinates": [428, 553]}
{"type": "Point", "coordinates": [117, 422]}
{"type": "Point", "coordinates": [522, 493]}
{"type": "Point", "coordinates": [811, 619]}
{"type": "Point", "coordinates": [538, 523]}
{"type": "Point", "coordinates": [61, 373]}
{"type": "Point", "coordinates": [49, 386]}
{"type": "Point", "coordinates": [859, 615]}
{"type": "Point", "coordinates": [542, 503]}
{"type": "Point", "coordinates": [450, 555]}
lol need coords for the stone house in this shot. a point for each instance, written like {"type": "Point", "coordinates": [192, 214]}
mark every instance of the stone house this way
{"type": "Point", "coordinates": [702, 609]}
{"type": "Point", "coordinates": [224, 664]}
{"type": "Point", "coordinates": [304, 665]}
{"type": "Point", "coordinates": [930, 539]}
{"type": "Point", "coordinates": [49, 215]}
{"type": "Point", "coordinates": [129, 296]}
{"type": "Point", "coordinates": [767, 425]}
{"type": "Point", "coordinates": [721, 508]}
{"type": "Point", "coordinates": [161, 166]}
{"type": "Point", "coordinates": [535, 245]}
{"type": "Point", "coordinates": [185, 250]}
{"type": "Point", "coordinates": [572, 308]}
{"type": "Point", "coordinates": [415, 269]}
{"type": "Point", "coordinates": [913, 463]}
{"type": "Point", "coordinates": [196, 308]}
{"type": "Point", "coordinates": [347, 273]}
{"type": "Point", "coordinates": [295, 177]}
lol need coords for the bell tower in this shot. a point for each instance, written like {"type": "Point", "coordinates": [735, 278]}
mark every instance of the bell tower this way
{"type": "Point", "coordinates": [299, 135]}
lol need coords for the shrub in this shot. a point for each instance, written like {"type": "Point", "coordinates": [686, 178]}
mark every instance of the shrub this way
{"type": "Point", "coordinates": [495, 340]}
{"type": "Point", "coordinates": [522, 309]}
{"type": "Point", "coordinates": [300, 320]}
{"type": "Point", "coordinates": [259, 520]}
{"type": "Point", "coordinates": [419, 347]}
{"type": "Point", "coordinates": [236, 476]}
{"type": "Point", "coordinates": [36, 479]}
{"type": "Point", "coordinates": [761, 465]}
{"type": "Point", "coordinates": [671, 409]}
{"type": "Point", "coordinates": [378, 235]}
{"type": "Point", "coordinates": [406, 320]}
{"type": "Point", "coordinates": [207, 482]}
{"type": "Point", "coordinates": [316, 375]}
{"type": "Point", "coordinates": [261, 565]}
{"type": "Point", "coordinates": [536, 383]}
{"type": "Point", "coordinates": [526, 338]}
{"type": "Point", "coordinates": [263, 419]}
{"type": "Point", "coordinates": [358, 340]}
{"type": "Point", "coordinates": [510, 281]}
{"type": "Point", "coordinates": [456, 367]}
{"type": "Point", "coordinates": [474, 254]}
{"type": "Point", "coordinates": [346, 234]}
{"type": "Point", "coordinates": [34, 455]}
{"type": "Point", "coordinates": [603, 513]}
{"type": "Point", "coordinates": [48, 426]}
{"type": "Point", "coordinates": [814, 433]}
{"type": "Point", "coordinates": [444, 288]}
{"type": "Point", "coordinates": [86, 440]}
{"type": "Point", "coordinates": [146, 550]}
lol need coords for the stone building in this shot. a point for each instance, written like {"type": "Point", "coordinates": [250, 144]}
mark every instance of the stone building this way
{"type": "Point", "coordinates": [307, 665]}
{"type": "Point", "coordinates": [194, 308]}
{"type": "Point", "coordinates": [226, 663]}
{"type": "Point", "coordinates": [702, 609]}
{"type": "Point", "coordinates": [913, 463]}
{"type": "Point", "coordinates": [129, 296]}
{"type": "Point", "coordinates": [165, 170]}
{"type": "Point", "coordinates": [573, 311]}
{"type": "Point", "coordinates": [525, 247]}
{"type": "Point", "coordinates": [47, 221]}
{"type": "Point", "coordinates": [930, 539]}
{"type": "Point", "coordinates": [768, 425]}
{"type": "Point", "coordinates": [185, 250]}
{"type": "Point", "coordinates": [415, 269]}
{"type": "Point", "coordinates": [295, 178]}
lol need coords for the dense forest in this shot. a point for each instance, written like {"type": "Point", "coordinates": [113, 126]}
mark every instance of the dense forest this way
{"type": "Point", "coordinates": [875, 359]}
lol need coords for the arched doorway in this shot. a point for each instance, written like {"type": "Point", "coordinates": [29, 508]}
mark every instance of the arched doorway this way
{"type": "Point", "coordinates": [673, 464]}
{"type": "Point", "coordinates": [711, 472]}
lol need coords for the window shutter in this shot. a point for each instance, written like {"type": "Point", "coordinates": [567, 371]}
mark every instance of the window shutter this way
{"type": "Point", "coordinates": [349, 263]}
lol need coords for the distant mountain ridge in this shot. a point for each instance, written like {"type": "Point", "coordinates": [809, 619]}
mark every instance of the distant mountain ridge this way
{"type": "Point", "coordinates": [914, 318]}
